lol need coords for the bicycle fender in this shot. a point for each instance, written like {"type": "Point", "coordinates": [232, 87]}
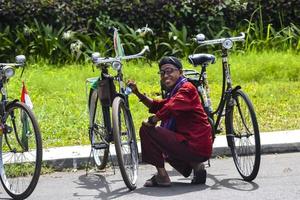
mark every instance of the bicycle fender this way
{"type": "Point", "coordinates": [229, 105]}
{"type": "Point", "coordinates": [229, 137]}
{"type": "Point", "coordinates": [125, 98]}
{"type": "Point", "coordinates": [11, 103]}
{"type": "Point", "coordinates": [236, 88]}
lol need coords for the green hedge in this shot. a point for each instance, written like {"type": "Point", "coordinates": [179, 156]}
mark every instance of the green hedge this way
{"type": "Point", "coordinates": [63, 31]}
{"type": "Point", "coordinates": [194, 14]}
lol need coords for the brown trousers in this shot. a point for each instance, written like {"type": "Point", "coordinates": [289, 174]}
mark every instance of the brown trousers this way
{"type": "Point", "coordinates": [160, 145]}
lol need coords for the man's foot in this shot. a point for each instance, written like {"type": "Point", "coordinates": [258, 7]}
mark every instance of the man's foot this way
{"type": "Point", "coordinates": [158, 181]}
{"type": "Point", "coordinates": [199, 177]}
{"type": "Point", "coordinates": [199, 174]}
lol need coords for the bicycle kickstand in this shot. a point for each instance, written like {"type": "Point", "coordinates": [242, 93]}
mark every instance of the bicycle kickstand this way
{"type": "Point", "coordinates": [112, 163]}
{"type": "Point", "coordinates": [88, 162]}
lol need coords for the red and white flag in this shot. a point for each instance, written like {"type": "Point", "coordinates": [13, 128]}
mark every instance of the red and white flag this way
{"type": "Point", "coordinates": [25, 97]}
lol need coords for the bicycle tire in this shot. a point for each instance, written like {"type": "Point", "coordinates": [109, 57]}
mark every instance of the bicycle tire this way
{"type": "Point", "coordinates": [125, 142]}
{"type": "Point", "coordinates": [21, 151]}
{"type": "Point", "coordinates": [98, 132]}
{"type": "Point", "coordinates": [243, 135]}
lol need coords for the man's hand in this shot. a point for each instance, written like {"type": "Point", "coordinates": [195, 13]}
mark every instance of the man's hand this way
{"type": "Point", "coordinates": [142, 97]}
{"type": "Point", "coordinates": [133, 86]}
{"type": "Point", "coordinates": [152, 121]}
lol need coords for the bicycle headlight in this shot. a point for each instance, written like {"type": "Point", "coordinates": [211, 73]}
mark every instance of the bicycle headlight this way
{"type": "Point", "coordinates": [8, 71]}
{"type": "Point", "coordinates": [227, 44]}
{"type": "Point", "coordinates": [116, 65]}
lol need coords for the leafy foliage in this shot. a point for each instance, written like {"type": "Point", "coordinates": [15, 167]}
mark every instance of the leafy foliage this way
{"type": "Point", "coordinates": [69, 31]}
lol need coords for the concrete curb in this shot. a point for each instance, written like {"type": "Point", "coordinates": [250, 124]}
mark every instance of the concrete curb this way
{"type": "Point", "coordinates": [78, 156]}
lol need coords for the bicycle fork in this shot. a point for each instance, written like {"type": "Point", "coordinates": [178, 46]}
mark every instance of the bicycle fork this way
{"type": "Point", "coordinates": [230, 103]}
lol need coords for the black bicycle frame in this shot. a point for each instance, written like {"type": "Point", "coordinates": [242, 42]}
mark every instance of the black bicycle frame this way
{"type": "Point", "coordinates": [106, 112]}
{"type": "Point", "coordinates": [226, 89]}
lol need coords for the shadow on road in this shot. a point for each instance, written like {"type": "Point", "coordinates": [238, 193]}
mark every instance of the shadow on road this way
{"type": "Point", "coordinates": [5, 198]}
{"type": "Point", "coordinates": [98, 182]}
{"type": "Point", "coordinates": [115, 188]}
{"type": "Point", "coordinates": [213, 183]}
{"type": "Point", "coordinates": [235, 184]}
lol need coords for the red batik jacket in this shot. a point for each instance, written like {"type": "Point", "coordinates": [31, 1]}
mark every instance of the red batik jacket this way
{"type": "Point", "coordinates": [191, 122]}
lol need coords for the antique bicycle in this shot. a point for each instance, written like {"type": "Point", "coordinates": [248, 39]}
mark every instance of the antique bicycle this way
{"type": "Point", "coordinates": [110, 116]}
{"type": "Point", "coordinates": [20, 139]}
{"type": "Point", "coordinates": [242, 130]}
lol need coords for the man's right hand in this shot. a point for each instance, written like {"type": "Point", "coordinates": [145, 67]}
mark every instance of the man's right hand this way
{"type": "Point", "coordinates": [152, 121]}
{"type": "Point", "coordinates": [133, 86]}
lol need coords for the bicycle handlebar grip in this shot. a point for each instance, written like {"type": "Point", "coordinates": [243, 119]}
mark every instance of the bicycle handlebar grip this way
{"type": "Point", "coordinates": [20, 59]}
{"type": "Point", "coordinates": [98, 60]}
{"type": "Point", "coordinates": [200, 37]}
{"type": "Point", "coordinates": [242, 35]}
{"type": "Point", "coordinates": [95, 56]}
{"type": "Point", "coordinates": [147, 48]}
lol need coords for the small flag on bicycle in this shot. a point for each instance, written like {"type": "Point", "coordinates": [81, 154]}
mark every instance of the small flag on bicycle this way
{"type": "Point", "coordinates": [117, 45]}
{"type": "Point", "coordinates": [26, 130]}
{"type": "Point", "coordinates": [25, 97]}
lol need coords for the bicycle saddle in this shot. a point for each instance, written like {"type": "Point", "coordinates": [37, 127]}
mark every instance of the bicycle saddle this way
{"type": "Point", "coordinates": [201, 58]}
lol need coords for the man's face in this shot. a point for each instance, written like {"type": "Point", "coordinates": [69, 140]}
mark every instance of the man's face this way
{"type": "Point", "coordinates": [169, 74]}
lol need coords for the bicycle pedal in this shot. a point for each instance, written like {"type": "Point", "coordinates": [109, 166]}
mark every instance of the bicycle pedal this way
{"type": "Point", "coordinates": [219, 130]}
{"type": "Point", "coordinates": [100, 146]}
{"type": "Point", "coordinates": [124, 133]}
{"type": "Point", "coordinates": [109, 138]}
{"type": "Point", "coordinates": [8, 129]}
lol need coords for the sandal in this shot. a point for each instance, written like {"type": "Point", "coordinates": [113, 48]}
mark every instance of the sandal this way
{"type": "Point", "coordinates": [155, 182]}
{"type": "Point", "coordinates": [199, 177]}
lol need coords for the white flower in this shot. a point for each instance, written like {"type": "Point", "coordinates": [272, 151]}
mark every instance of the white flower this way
{"type": "Point", "coordinates": [145, 30]}
{"type": "Point", "coordinates": [68, 35]}
{"type": "Point", "coordinates": [76, 46]}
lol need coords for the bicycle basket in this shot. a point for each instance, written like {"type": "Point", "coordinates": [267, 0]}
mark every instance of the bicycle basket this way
{"type": "Point", "coordinates": [107, 91]}
{"type": "Point", "coordinates": [192, 76]}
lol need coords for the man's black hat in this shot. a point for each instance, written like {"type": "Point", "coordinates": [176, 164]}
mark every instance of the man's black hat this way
{"type": "Point", "coordinates": [170, 60]}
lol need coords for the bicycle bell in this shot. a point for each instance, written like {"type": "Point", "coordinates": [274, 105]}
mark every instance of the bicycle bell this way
{"type": "Point", "coordinates": [116, 65]}
{"type": "Point", "coordinates": [227, 44]}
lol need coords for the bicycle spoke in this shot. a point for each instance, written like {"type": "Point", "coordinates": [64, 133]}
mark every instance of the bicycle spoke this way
{"type": "Point", "coordinates": [243, 118]}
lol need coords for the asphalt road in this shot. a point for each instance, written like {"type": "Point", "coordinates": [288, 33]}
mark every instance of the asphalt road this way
{"type": "Point", "coordinates": [278, 178]}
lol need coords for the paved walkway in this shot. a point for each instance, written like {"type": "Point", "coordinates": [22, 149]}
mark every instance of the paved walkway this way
{"type": "Point", "coordinates": [271, 142]}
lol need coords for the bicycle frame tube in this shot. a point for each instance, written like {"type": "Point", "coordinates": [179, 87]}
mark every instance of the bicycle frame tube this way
{"type": "Point", "coordinates": [106, 112]}
{"type": "Point", "coordinates": [122, 87]}
{"type": "Point", "coordinates": [3, 98]}
{"type": "Point", "coordinates": [203, 89]}
{"type": "Point", "coordinates": [227, 83]}
{"type": "Point", "coordinates": [119, 79]}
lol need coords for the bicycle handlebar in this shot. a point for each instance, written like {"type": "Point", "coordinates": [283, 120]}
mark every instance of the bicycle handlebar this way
{"type": "Point", "coordinates": [20, 61]}
{"type": "Point", "coordinates": [200, 38]}
{"type": "Point", "coordinates": [98, 60]}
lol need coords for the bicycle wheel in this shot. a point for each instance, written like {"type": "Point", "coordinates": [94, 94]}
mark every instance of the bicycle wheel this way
{"type": "Point", "coordinates": [125, 142]}
{"type": "Point", "coordinates": [98, 131]}
{"type": "Point", "coordinates": [21, 151]}
{"type": "Point", "coordinates": [243, 135]}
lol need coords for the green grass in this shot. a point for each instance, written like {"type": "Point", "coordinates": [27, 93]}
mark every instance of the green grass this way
{"type": "Point", "coordinates": [272, 80]}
